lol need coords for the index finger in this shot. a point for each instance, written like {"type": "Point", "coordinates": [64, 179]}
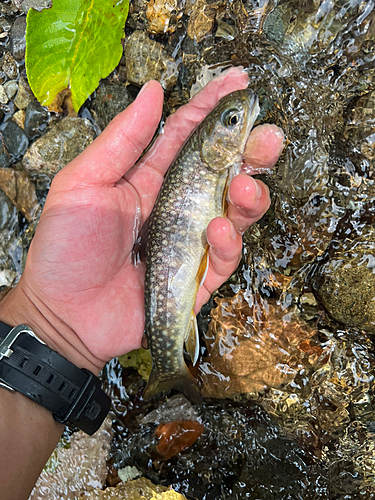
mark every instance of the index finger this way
{"type": "Point", "coordinates": [120, 145]}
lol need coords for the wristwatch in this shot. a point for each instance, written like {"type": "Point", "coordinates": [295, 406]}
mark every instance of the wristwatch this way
{"type": "Point", "coordinates": [72, 394]}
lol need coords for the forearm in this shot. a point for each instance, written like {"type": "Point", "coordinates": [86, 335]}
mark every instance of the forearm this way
{"type": "Point", "coordinates": [28, 432]}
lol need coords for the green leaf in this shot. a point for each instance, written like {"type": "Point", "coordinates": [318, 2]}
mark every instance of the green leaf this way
{"type": "Point", "coordinates": [74, 43]}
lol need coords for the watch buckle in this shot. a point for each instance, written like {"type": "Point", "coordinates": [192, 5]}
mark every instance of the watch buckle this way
{"type": "Point", "coordinates": [6, 344]}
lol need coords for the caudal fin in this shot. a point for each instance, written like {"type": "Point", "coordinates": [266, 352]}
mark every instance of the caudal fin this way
{"type": "Point", "coordinates": [185, 383]}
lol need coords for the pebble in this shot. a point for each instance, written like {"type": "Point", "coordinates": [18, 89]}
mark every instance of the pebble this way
{"type": "Point", "coordinates": [17, 185]}
{"type": "Point", "coordinates": [10, 66]}
{"type": "Point", "coordinates": [15, 141]}
{"type": "Point", "coordinates": [24, 94]}
{"type": "Point", "coordinates": [17, 38]}
{"type": "Point", "coordinates": [11, 88]}
{"type": "Point", "coordinates": [36, 118]}
{"type": "Point", "coordinates": [110, 100]}
{"type": "Point", "coordinates": [147, 60]}
{"type": "Point", "coordinates": [57, 147]}
{"type": "Point", "coordinates": [19, 118]}
{"type": "Point", "coordinates": [35, 4]}
{"type": "Point", "coordinates": [4, 99]}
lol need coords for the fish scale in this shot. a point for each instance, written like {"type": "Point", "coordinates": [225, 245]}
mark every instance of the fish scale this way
{"type": "Point", "coordinates": [190, 197]}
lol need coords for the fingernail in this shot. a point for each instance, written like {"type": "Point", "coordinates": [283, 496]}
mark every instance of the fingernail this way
{"type": "Point", "coordinates": [258, 190]}
{"type": "Point", "coordinates": [233, 232]}
{"type": "Point", "coordinates": [143, 88]}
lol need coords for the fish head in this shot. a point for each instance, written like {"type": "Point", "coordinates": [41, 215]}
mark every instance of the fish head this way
{"type": "Point", "coordinates": [225, 131]}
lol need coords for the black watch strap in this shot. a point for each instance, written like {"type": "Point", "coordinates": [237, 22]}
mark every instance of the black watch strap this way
{"type": "Point", "coordinates": [73, 395]}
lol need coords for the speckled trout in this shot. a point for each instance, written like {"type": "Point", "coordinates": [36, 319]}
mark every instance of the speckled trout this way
{"type": "Point", "coordinates": [193, 193]}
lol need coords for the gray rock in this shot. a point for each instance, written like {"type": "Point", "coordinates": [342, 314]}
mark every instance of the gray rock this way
{"type": "Point", "coordinates": [36, 118]}
{"type": "Point", "coordinates": [13, 144]}
{"type": "Point", "coordinates": [110, 100]}
{"type": "Point", "coordinates": [147, 60]}
{"type": "Point", "coordinates": [4, 99]}
{"type": "Point", "coordinates": [35, 4]}
{"type": "Point", "coordinates": [24, 94]}
{"type": "Point", "coordinates": [61, 144]}
{"type": "Point", "coordinates": [10, 66]}
{"type": "Point", "coordinates": [17, 38]}
{"type": "Point", "coordinates": [11, 88]}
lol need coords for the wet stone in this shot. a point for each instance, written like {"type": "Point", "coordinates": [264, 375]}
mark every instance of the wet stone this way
{"type": "Point", "coordinates": [110, 100]}
{"type": "Point", "coordinates": [11, 88]}
{"type": "Point", "coordinates": [160, 14]}
{"type": "Point", "coordinates": [20, 190]}
{"type": "Point", "coordinates": [4, 99]}
{"type": "Point", "coordinates": [346, 283]}
{"type": "Point", "coordinates": [10, 66]}
{"type": "Point", "coordinates": [61, 144]}
{"type": "Point", "coordinates": [17, 38]}
{"type": "Point", "coordinates": [19, 118]}
{"type": "Point", "coordinates": [147, 60]}
{"type": "Point", "coordinates": [14, 143]}
{"type": "Point", "coordinates": [35, 4]}
{"type": "Point", "coordinates": [24, 95]}
{"type": "Point", "coordinates": [36, 118]}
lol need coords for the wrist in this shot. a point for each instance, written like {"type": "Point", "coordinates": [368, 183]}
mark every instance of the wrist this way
{"type": "Point", "coordinates": [17, 307]}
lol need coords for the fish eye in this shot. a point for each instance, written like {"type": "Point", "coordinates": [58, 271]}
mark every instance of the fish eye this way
{"type": "Point", "coordinates": [230, 118]}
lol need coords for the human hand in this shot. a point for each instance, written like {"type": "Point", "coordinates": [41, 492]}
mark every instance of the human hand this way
{"type": "Point", "coordinates": [80, 290]}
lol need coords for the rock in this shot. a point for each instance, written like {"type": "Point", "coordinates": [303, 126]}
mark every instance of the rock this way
{"type": "Point", "coordinates": [148, 60]}
{"type": "Point", "coordinates": [81, 467]}
{"type": "Point", "coordinates": [201, 19]}
{"type": "Point", "coordinates": [11, 88]}
{"type": "Point", "coordinates": [128, 473]}
{"type": "Point", "coordinates": [36, 118]}
{"type": "Point", "coordinates": [20, 190]}
{"type": "Point", "coordinates": [61, 144]}
{"type": "Point", "coordinates": [14, 143]}
{"type": "Point", "coordinates": [17, 38]}
{"type": "Point", "coordinates": [10, 66]}
{"type": "Point", "coordinates": [35, 4]}
{"type": "Point", "coordinates": [110, 100]}
{"type": "Point", "coordinates": [19, 118]}
{"type": "Point", "coordinates": [175, 408]}
{"type": "Point", "coordinates": [4, 99]}
{"type": "Point", "coordinates": [24, 95]}
{"type": "Point", "coordinates": [252, 347]}
{"type": "Point", "coordinates": [139, 489]}
{"type": "Point", "coordinates": [345, 284]}
{"type": "Point", "coordinates": [160, 13]}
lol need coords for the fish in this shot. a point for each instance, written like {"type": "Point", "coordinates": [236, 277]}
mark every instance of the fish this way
{"type": "Point", "coordinates": [194, 192]}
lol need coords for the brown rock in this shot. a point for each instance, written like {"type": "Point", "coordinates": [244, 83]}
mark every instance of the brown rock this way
{"type": "Point", "coordinates": [61, 144]}
{"type": "Point", "coordinates": [139, 489]}
{"type": "Point", "coordinates": [20, 190]}
{"type": "Point", "coordinates": [147, 60]}
{"type": "Point", "coordinates": [253, 347]}
{"type": "Point", "coordinates": [201, 21]}
{"type": "Point", "coordinates": [160, 13]}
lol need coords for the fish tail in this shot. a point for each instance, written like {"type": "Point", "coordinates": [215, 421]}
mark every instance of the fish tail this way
{"type": "Point", "coordinates": [184, 382]}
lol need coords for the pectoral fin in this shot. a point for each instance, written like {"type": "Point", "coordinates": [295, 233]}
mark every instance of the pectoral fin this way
{"type": "Point", "coordinates": [192, 339]}
{"type": "Point", "coordinates": [203, 268]}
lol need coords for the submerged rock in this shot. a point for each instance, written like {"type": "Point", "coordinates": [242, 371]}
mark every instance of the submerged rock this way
{"type": "Point", "coordinates": [346, 283]}
{"type": "Point", "coordinates": [202, 17]}
{"type": "Point", "coordinates": [24, 95]}
{"type": "Point", "coordinates": [147, 60]}
{"type": "Point", "coordinates": [253, 345]}
{"type": "Point", "coordinates": [110, 100]}
{"type": "Point", "coordinates": [20, 190]}
{"type": "Point", "coordinates": [10, 66]}
{"type": "Point", "coordinates": [139, 489]}
{"type": "Point", "coordinates": [77, 468]}
{"type": "Point", "coordinates": [13, 143]}
{"type": "Point", "coordinates": [17, 38]}
{"type": "Point", "coordinates": [36, 118]}
{"type": "Point", "coordinates": [160, 13]}
{"type": "Point", "coordinates": [61, 144]}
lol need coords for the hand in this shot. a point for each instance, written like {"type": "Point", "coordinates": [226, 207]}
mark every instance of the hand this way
{"type": "Point", "coordinates": [80, 290]}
